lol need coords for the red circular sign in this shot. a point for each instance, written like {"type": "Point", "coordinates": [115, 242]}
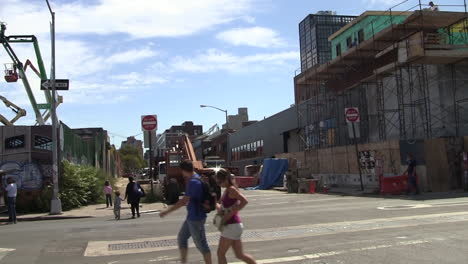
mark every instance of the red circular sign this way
{"type": "Point", "coordinates": [352, 115]}
{"type": "Point", "coordinates": [149, 123]}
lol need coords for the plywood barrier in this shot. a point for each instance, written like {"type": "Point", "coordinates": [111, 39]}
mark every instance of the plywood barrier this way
{"type": "Point", "coordinates": [437, 165]}
{"type": "Point", "coordinates": [465, 139]}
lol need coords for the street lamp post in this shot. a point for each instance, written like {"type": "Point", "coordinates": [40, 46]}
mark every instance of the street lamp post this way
{"type": "Point", "coordinates": [228, 150]}
{"type": "Point", "coordinates": [55, 205]}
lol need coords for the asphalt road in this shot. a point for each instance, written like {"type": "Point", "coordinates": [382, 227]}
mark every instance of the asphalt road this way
{"type": "Point", "coordinates": [280, 228]}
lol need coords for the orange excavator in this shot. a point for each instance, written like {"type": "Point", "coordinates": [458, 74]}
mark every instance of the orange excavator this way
{"type": "Point", "coordinates": [183, 151]}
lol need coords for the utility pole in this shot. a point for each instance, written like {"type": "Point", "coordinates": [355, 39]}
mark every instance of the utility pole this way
{"type": "Point", "coordinates": [151, 160]}
{"type": "Point", "coordinates": [56, 204]}
{"type": "Point", "coordinates": [228, 148]}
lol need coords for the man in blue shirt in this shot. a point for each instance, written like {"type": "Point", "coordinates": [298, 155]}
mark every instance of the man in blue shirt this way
{"type": "Point", "coordinates": [194, 225]}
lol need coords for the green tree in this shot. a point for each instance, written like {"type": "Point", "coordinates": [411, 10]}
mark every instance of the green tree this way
{"type": "Point", "coordinates": [131, 159]}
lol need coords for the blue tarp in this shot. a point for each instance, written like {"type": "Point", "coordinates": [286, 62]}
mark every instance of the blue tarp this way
{"type": "Point", "coordinates": [273, 173]}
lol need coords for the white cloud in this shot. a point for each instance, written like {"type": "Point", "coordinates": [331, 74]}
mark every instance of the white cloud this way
{"type": "Point", "coordinates": [253, 36]}
{"type": "Point", "coordinates": [135, 78]}
{"type": "Point", "coordinates": [131, 56]}
{"type": "Point", "coordinates": [386, 3]}
{"type": "Point", "coordinates": [138, 18]}
{"type": "Point", "coordinates": [216, 60]}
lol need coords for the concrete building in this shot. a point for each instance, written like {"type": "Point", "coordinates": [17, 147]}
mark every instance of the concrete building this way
{"type": "Point", "coordinates": [133, 142]}
{"type": "Point", "coordinates": [28, 149]}
{"type": "Point", "coordinates": [186, 128]}
{"type": "Point", "coordinates": [407, 76]}
{"type": "Point", "coordinates": [264, 139]}
{"type": "Point", "coordinates": [236, 122]}
{"type": "Point", "coordinates": [314, 31]}
{"type": "Point", "coordinates": [170, 138]}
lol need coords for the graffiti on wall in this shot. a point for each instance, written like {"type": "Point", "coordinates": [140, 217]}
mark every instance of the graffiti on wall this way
{"type": "Point", "coordinates": [367, 161]}
{"type": "Point", "coordinates": [28, 176]}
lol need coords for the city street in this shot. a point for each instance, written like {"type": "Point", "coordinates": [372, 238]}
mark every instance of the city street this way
{"type": "Point", "coordinates": [280, 228]}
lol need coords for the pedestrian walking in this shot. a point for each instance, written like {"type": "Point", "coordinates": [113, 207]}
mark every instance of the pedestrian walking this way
{"type": "Point", "coordinates": [433, 7]}
{"type": "Point", "coordinates": [172, 192]}
{"type": "Point", "coordinates": [117, 205]}
{"type": "Point", "coordinates": [231, 203]}
{"type": "Point", "coordinates": [194, 224]}
{"type": "Point", "coordinates": [12, 191]}
{"type": "Point", "coordinates": [133, 194]}
{"type": "Point", "coordinates": [411, 172]}
{"type": "Point", "coordinates": [108, 193]}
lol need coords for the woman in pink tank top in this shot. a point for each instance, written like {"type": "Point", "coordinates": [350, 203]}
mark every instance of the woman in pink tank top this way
{"type": "Point", "coordinates": [230, 204]}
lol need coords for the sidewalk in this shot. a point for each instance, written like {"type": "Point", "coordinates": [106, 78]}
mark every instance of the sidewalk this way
{"type": "Point", "coordinates": [90, 211]}
{"type": "Point", "coordinates": [96, 210]}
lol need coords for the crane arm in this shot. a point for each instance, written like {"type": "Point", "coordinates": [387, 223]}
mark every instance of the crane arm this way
{"type": "Point", "coordinates": [4, 40]}
{"type": "Point", "coordinates": [212, 129]}
{"type": "Point", "coordinates": [18, 110]}
{"type": "Point", "coordinates": [29, 63]}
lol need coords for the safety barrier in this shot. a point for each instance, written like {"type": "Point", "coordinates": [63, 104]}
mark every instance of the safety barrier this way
{"type": "Point", "coordinates": [394, 185]}
{"type": "Point", "coordinates": [244, 182]}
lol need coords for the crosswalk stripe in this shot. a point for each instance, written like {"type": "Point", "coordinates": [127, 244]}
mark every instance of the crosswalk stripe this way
{"type": "Point", "coordinates": [153, 244]}
{"type": "Point", "coordinates": [5, 251]}
{"type": "Point", "coordinates": [335, 253]}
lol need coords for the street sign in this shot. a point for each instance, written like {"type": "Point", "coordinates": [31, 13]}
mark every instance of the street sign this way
{"type": "Point", "coordinates": [43, 106]}
{"type": "Point", "coordinates": [60, 84]}
{"type": "Point", "coordinates": [149, 122]}
{"type": "Point", "coordinates": [352, 115]}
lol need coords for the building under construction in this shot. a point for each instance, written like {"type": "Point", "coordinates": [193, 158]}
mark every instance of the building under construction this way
{"type": "Point", "coordinates": [407, 73]}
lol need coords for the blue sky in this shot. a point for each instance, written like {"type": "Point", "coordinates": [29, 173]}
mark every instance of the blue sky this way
{"type": "Point", "coordinates": [166, 57]}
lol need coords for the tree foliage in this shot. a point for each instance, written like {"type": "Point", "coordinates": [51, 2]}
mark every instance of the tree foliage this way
{"type": "Point", "coordinates": [131, 159]}
{"type": "Point", "coordinates": [81, 185]}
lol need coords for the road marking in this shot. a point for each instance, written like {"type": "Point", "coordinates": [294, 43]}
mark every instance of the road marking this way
{"type": "Point", "coordinates": [311, 201]}
{"type": "Point", "coordinates": [163, 258]}
{"type": "Point", "coordinates": [5, 251]}
{"type": "Point", "coordinates": [153, 213]}
{"type": "Point", "coordinates": [420, 206]}
{"type": "Point", "coordinates": [336, 253]}
{"type": "Point", "coordinates": [154, 244]}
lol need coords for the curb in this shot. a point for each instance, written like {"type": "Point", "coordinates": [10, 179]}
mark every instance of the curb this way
{"type": "Point", "coordinates": [44, 218]}
{"type": "Point", "coordinates": [356, 193]}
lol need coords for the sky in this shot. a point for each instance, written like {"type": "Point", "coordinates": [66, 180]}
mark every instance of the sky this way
{"type": "Point", "coordinates": [125, 59]}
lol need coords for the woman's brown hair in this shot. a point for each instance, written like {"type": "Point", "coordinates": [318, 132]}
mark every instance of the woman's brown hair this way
{"type": "Point", "coordinates": [222, 175]}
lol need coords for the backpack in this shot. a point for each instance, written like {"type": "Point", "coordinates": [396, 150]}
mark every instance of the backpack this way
{"type": "Point", "coordinates": [138, 190]}
{"type": "Point", "coordinates": [208, 199]}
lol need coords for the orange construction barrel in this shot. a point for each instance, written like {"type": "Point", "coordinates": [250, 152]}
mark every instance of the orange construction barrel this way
{"type": "Point", "coordinates": [312, 187]}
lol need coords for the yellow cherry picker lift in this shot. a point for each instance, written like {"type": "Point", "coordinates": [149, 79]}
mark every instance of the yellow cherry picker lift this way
{"type": "Point", "coordinates": [17, 70]}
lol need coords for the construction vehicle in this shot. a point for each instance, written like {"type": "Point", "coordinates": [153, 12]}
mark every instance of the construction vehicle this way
{"type": "Point", "coordinates": [20, 112]}
{"type": "Point", "coordinates": [17, 70]}
{"type": "Point", "coordinates": [174, 157]}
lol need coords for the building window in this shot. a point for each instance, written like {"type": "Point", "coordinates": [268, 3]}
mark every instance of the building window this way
{"type": "Point", "coordinates": [248, 151]}
{"type": "Point", "coordinates": [43, 143]}
{"type": "Point", "coordinates": [338, 50]}
{"type": "Point", "coordinates": [349, 42]}
{"type": "Point", "coordinates": [14, 142]}
{"type": "Point", "coordinates": [361, 35]}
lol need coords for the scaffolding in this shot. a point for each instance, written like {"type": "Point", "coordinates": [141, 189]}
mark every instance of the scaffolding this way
{"type": "Point", "coordinates": [409, 79]}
